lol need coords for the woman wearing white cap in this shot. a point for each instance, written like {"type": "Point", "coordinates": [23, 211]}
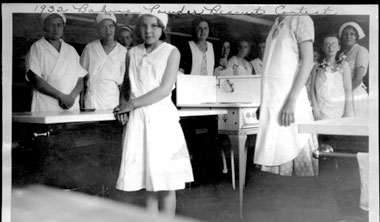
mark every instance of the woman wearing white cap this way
{"type": "Point", "coordinates": [53, 68]}
{"type": "Point", "coordinates": [125, 36]}
{"type": "Point", "coordinates": [104, 59]}
{"type": "Point", "coordinates": [153, 159]}
{"type": "Point", "coordinates": [357, 57]}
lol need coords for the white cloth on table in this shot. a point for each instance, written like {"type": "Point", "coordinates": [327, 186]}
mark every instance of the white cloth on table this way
{"type": "Point", "coordinates": [60, 69]}
{"type": "Point", "coordinates": [197, 56]}
{"type": "Point", "coordinates": [155, 155]}
{"type": "Point", "coordinates": [277, 144]}
{"type": "Point", "coordinates": [363, 161]}
{"type": "Point", "coordinates": [105, 75]}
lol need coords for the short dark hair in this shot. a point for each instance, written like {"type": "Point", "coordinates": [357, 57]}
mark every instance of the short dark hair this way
{"type": "Point", "coordinates": [194, 25]}
{"type": "Point", "coordinates": [326, 35]}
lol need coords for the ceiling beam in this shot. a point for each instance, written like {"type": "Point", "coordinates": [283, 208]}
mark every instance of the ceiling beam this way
{"type": "Point", "coordinates": [250, 19]}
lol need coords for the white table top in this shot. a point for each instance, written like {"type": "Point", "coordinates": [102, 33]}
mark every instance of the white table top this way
{"type": "Point", "coordinates": [98, 115]}
{"type": "Point", "coordinates": [222, 105]}
{"type": "Point", "coordinates": [344, 126]}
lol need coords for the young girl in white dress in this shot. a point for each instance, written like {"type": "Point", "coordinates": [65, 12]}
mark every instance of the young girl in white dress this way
{"type": "Point", "coordinates": [155, 156]}
{"type": "Point", "coordinates": [331, 90]}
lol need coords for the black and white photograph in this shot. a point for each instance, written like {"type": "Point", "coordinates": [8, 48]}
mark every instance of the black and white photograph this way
{"type": "Point", "coordinates": [190, 112]}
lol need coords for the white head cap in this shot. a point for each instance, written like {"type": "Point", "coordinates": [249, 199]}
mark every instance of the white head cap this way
{"type": "Point", "coordinates": [353, 24]}
{"type": "Point", "coordinates": [44, 16]}
{"type": "Point", "coordinates": [163, 17]}
{"type": "Point", "coordinates": [125, 27]}
{"type": "Point", "coordinates": [105, 15]}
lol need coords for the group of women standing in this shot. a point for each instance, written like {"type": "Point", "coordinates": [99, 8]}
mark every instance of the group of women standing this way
{"type": "Point", "coordinates": [337, 90]}
{"type": "Point", "coordinates": [198, 55]}
{"type": "Point", "coordinates": [157, 160]}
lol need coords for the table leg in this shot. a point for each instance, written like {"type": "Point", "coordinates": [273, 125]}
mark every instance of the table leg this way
{"type": "Point", "coordinates": [239, 140]}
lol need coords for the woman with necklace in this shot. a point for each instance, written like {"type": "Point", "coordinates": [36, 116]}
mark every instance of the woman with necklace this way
{"type": "Point", "coordinates": [331, 90]}
{"type": "Point", "coordinates": [221, 67]}
{"type": "Point", "coordinates": [197, 58]}
{"type": "Point", "coordinates": [357, 57]}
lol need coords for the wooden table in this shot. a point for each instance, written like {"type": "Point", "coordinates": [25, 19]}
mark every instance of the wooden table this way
{"type": "Point", "coordinates": [358, 127]}
{"type": "Point", "coordinates": [68, 148]}
{"type": "Point", "coordinates": [68, 116]}
{"type": "Point", "coordinates": [344, 126]}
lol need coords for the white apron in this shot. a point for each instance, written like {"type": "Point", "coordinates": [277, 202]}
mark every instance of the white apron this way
{"type": "Point", "coordinates": [277, 144]}
{"type": "Point", "coordinates": [106, 74]}
{"type": "Point", "coordinates": [358, 57]}
{"type": "Point", "coordinates": [61, 70]}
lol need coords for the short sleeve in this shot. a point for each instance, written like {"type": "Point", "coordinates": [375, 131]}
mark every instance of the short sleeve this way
{"type": "Point", "coordinates": [81, 72]}
{"type": "Point", "coordinates": [85, 59]}
{"type": "Point", "coordinates": [362, 58]}
{"type": "Point", "coordinates": [304, 29]}
{"type": "Point", "coordinates": [33, 61]}
{"type": "Point", "coordinates": [122, 69]}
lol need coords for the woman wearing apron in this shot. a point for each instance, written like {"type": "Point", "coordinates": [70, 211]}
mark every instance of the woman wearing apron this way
{"type": "Point", "coordinates": [288, 60]}
{"type": "Point", "coordinates": [357, 57]}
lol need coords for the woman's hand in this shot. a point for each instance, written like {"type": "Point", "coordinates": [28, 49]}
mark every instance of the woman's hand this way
{"type": "Point", "coordinates": [121, 112]}
{"type": "Point", "coordinates": [66, 101]}
{"type": "Point", "coordinates": [287, 113]}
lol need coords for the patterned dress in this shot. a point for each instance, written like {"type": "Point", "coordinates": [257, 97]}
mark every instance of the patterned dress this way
{"type": "Point", "coordinates": [155, 156]}
{"type": "Point", "coordinates": [329, 90]}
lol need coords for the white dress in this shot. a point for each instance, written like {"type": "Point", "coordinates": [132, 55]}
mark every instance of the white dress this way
{"type": "Point", "coordinates": [329, 90]}
{"type": "Point", "coordinates": [257, 65]}
{"type": "Point", "coordinates": [282, 149]}
{"type": "Point", "coordinates": [155, 155]}
{"type": "Point", "coordinates": [238, 68]}
{"type": "Point", "coordinates": [59, 69]}
{"type": "Point", "coordinates": [358, 57]}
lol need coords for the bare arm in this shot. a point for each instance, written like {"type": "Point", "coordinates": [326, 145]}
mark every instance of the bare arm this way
{"type": "Point", "coordinates": [313, 94]}
{"type": "Point", "coordinates": [358, 77]}
{"type": "Point", "coordinates": [306, 54]}
{"type": "Point", "coordinates": [65, 101]}
{"type": "Point", "coordinates": [348, 95]}
{"type": "Point", "coordinates": [161, 91]}
{"type": "Point", "coordinates": [77, 89]}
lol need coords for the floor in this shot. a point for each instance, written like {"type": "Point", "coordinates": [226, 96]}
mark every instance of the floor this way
{"type": "Point", "coordinates": [332, 196]}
